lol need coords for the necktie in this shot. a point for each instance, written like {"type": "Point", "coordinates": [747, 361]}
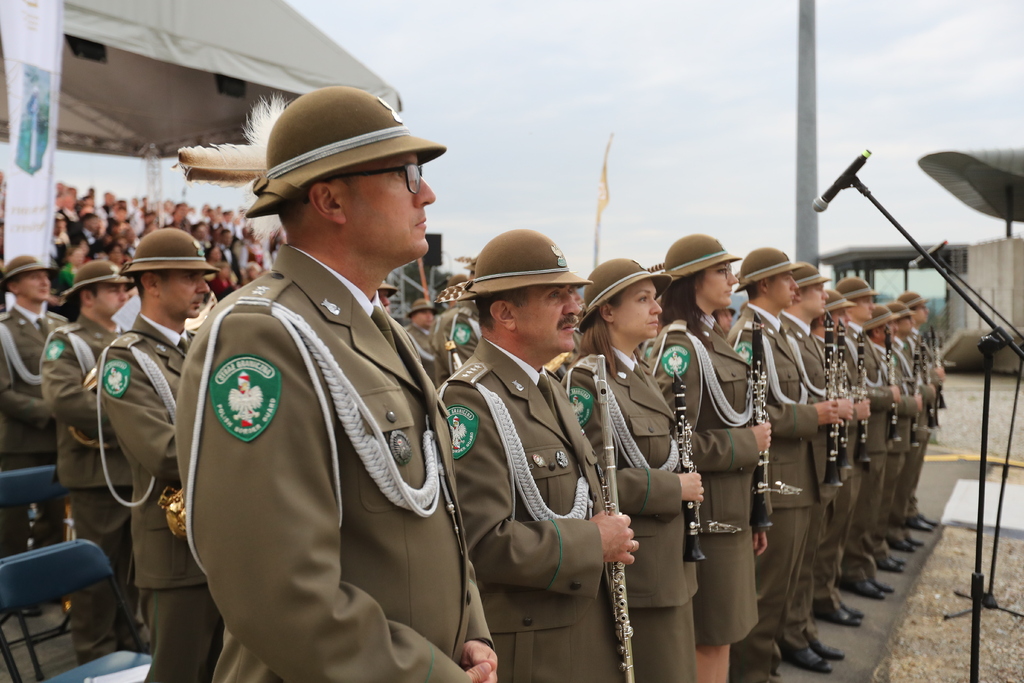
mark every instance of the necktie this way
{"type": "Point", "coordinates": [545, 388]}
{"type": "Point", "coordinates": [380, 319]}
{"type": "Point", "coordinates": [183, 344]}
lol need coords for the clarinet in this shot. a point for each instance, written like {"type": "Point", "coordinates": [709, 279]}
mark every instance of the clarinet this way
{"type": "Point", "coordinates": [940, 400]}
{"type": "Point", "coordinates": [890, 362]}
{"type": "Point", "coordinates": [610, 491]}
{"type": "Point", "coordinates": [691, 511]}
{"type": "Point", "coordinates": [933, 414]}
{"type": "Point", "coordinates": [915, 388]}
{"type": "Point", "coordinates": [831, 391]}
{"type": "Point", "coordinates": [861, 452]}
{"type": "Point", "coordinates": [759, 388]}
{"type": "Point", "coordinates": [842, 391]}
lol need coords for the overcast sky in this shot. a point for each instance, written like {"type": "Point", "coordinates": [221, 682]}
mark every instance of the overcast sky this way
{"type": "Point", "coordinates": [701, 98]}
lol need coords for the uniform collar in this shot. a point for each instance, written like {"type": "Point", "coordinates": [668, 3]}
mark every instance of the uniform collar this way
{"type": "Point", "coordinates": [855, 327]}
{"type": "Point", "coordinates": [775, 322]}
{"type": "Point", "coordinates": [30, 316]}
{"type": "Point", "coordinates": [364, 302]}
{"type": "Point", "coordinates": [800, 323]}
{"type": "Point", "coordinates": [534, 375]}
{"type": "Point", "coordinates": [168, 334]}
{"type": "Point", "coordinates": [628, 361]}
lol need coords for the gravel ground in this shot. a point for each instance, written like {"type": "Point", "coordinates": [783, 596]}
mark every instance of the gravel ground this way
{"type": "Point", "coordinates": [960, 423]}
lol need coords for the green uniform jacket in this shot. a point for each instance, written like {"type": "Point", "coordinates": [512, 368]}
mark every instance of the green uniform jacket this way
{"type": "Point", "coordinates": [421, 342]}
{"type": "Point", "coordinates": [542, 577]}
{"type": "Point", "coordinates": [387, 597]}
{"type": "Point", "coordinates": [651, 497]}
{"type": "Point", "coordinates": [812, 353]}
{"type": "Point", "coordinates": [78, 465]}
{"type": "Point", "coordinates": [26, 424]}
{"type": "Point", "coordinates": [792, 423]}
{"type": "Point", "coordinates": [146, 435]}
{"type": "Point", "coordinates": [725, 456]}
{"type": "Point", "coordinates": [460, 324]}
{"type": "Point", "coordinates": [907, 407]}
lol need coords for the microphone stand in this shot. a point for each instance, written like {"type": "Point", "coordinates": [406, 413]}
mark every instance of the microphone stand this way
{"type": "Point", "coordinates": [989, 345]}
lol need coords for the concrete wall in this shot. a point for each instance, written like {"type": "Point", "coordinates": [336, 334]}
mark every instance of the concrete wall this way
{"type": "Point", "coordinates": [996, 270]}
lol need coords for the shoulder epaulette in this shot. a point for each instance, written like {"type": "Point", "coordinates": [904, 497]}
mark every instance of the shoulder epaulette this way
{"type": "Point", "coordinates": [587, 363]}
{"type": "Point", "coordinates": [56, 316]}
{"type": "Point", "coordinates": [6, 315]}
{"type": "Point", "coordinates": [70, 327]}
{"type": "Point", "coordinates": [471, 373]}
{"type": "Point", "coordinates": [126, 340]}
{"type": "Point", "coordinates": [677, 326]}
{"type": "Point", "coordinates": [749, 325]}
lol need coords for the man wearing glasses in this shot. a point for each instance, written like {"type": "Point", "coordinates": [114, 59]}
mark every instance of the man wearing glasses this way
{"type": "Point", "coordinates": [321, 502]}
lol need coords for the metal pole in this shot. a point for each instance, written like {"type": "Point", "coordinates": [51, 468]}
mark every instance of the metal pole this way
{"type": "Point", "coordinates": [806, 139]}
{"type": "Point", "coordinates": [1009, 211]}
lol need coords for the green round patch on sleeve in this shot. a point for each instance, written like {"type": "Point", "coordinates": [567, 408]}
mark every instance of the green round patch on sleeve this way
{"type": "Point", "coordinates": [674, 360]}
{"type": "Point", "coordinates": [245, 392]}
{"type": "Point", "coordinates": [746, 351]}
{"type": "Point", "coordinates": [462, 334]}
{"type": "Point", "coordinates": [54, 349]}
{"type": "Point", "coordinates": [117, 375]}
{"type": "Point", "coordinates": [582, 404]}
{"type": "Point", "coordinates": [463, 424]}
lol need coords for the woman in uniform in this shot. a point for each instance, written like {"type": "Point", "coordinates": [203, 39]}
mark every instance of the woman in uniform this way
{"type": "Point", "coordinates": [622, 313]}
{"type": "Point", "coordinates": [725, 449]}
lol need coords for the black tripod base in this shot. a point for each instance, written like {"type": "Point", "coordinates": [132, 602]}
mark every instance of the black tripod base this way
{"type": "Point", "coordinates": [988, 601]}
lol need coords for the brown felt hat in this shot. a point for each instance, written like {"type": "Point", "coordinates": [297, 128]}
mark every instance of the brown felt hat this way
{"type": "Point", "coordinates": [836, 302]}
{"type": "Point", "coordinates": [763, 263]}
{"type": "Point", "coordinates": [694, 253]}
{"type": "Point", "coordinates": [519, 258]}
{"type": "Point", "coordinates": [168, 249]}
{"type": "Point", "coordinates": [911, 299]}
{"type": "Point", "coordinates": [899, 310]}
{"type": "Point", "coordinates": [325, 132]}
{"type": "Point", "coordinates": [807, 275]}
{"type": "Point", "coordinates": [854, 287]}
{"type": "Point", "coordinates": [880, 315]}
{"type": "Point", "coordinates": [388, 289]}
{"type": "Point", "coordinates": [96, 272]}
{"type": "Point", "coordinates": [20, 265]}
{"type": "Point", "coordinates": [612, 277]}
{"type": "Point", "coordinates": [421, 305]}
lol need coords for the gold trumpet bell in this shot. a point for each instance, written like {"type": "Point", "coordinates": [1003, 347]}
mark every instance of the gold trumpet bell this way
{"type": "Point", "coordinates": [173, 503]}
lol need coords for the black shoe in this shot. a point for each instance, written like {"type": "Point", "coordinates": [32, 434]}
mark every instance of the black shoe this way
{"type": "Point", "coordinates": [919, 524]}
{"type": "Point", "coordinates": [841, 616]}
{"type": "Point", "coordinates": [884, 587]}
{"type": "Point", "coordinates": [902, 546]}
{"type": "Point", "coordinates": [807, 659]}
{"type": "Point", "coordinates": [926, 520]}
{"type": "Point", "coordinates": [914, 542]}
{"type": "Point", "coordinates": [865, 588]}
{"type": "Point", "coordinates": [888, 565]}
{"type": "Point", "coordinates": [855, 612]}
{"type": "Point", "coordinates": [826, 652]}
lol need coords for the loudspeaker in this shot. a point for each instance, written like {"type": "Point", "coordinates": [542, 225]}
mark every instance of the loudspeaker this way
{"type": "Point", "coordinates": [433, 256]}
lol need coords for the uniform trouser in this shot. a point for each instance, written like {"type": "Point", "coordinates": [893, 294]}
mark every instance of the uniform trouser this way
{"type": "Point", "coordinates": [830, 553]}
{"type": "Point", "coordinates": [792, 633]}
{"type": "Point", "coordinates": [906, 486]}
{"type": "Point", "coordinates": [663, 644]}
{"type": "Point", "coordinates": [15, 530]}
{"type": "Point", "coordinates": [98, 627]}
{"type": "Point", "coordinates": [858, 562]}
{"type": "Point", "coordinates": [186, 633]}
{"type": "Point", "coordinates": [752, 659]}
{"type": "Point", "coordinates": [893, 467]}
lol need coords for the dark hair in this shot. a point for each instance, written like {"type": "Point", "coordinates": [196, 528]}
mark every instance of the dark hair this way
{"type": "Point", "coordinates": [679, 302]}
{"type": "Point", "coordinates": [597, 338]}
{"type": "Point", "coordinates": [517, 297]}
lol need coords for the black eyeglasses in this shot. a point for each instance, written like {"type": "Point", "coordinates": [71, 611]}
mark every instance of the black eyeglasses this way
{"type": "Point", "coordinates": [413, 175]}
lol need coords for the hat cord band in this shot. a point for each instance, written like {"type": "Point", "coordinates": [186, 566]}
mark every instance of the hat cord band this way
{"type": "Point", "coordinates": [520, 272]}
{"type": "Point", "coordinates": [878, 319]}
{"type": "Point", "coordinates": [856, 293]}
{"type": "Point", "coordinates": [807, 279]}
{"type": "Point", "coordinates": [702, 258]}
{"type": "Point", "coordinates": [198, 259]}
{"type": "Point", "coordinates": [101, 278]}
{"type": "Point", "coordinates": [28, 266]}
{"type": "Point", "coordinates": [336, 148]}
{"type": "Point", "coordinates": [765, 270]}
{"type": "Point", "coordinates": [612, 286]}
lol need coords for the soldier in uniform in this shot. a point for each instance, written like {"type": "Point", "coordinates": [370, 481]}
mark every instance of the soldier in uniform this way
{"type": "Point", "coordinates": [385, 292]}
{"type": "Point", "coordinates": [320, 499]}
{"type": "Point", "coordinates": [828, 604]}
{"type": "Point", "coordinates": [529, 480]}
{"type": "Point", "coordinates": [139, 381]}
{"type": "Point", "coordinates": [421, 324]}
{"type": "Point", "coordinates": [27, 432]}
{"type": "Point", "coordinates": [858, 571]}
{"type": "Point", "coordinates": [725, 448]}
{"type": "Point", "coordinates": [767, 276]}
{"type": "Point", "coordinates": [456, 334]}
{"type": "Point", "coordinates": [621, 313]}
{"type": "Point", "coordinates": [98, 627]}
{"type": "Point", "coordinates": [797, 320]}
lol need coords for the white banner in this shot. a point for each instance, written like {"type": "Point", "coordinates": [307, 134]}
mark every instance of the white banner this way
{"type": "Point", "coordinates": [33, 37]}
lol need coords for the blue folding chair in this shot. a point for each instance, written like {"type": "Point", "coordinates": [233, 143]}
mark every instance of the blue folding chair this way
{"type": "Point", "coordinates": [49, 573]}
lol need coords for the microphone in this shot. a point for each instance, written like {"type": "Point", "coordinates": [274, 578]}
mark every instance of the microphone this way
{"type": "Point", "coordinates": [916, 263]}
{"type": "Point", "coordinates": [841, 183]}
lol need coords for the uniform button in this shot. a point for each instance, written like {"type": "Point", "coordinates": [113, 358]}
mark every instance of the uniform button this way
{"type": "Point", "coordinates": [650, 429]}
{"type": "Point", "coordinates": [575, 585]}
{"type": "Point", "coordinates": [527, 621]}
{"type": "Point", "coordinates": [277, 276]}
{"type": "Point", "coordinates": [390, 415]}
{"type": "Point", "coordinates": [469, 598]}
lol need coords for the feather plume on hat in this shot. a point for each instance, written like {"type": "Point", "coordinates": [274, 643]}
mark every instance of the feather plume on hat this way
{"type": "Point", "coordinates": [238, 165]}
{"type": "Point", "coordinates": [451, 294]}
{"type": "Point", "coordinates": [657, 268]}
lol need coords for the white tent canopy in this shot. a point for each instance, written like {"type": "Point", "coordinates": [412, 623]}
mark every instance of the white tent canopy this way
{"type": "Point", "coordinates": [165, 64]}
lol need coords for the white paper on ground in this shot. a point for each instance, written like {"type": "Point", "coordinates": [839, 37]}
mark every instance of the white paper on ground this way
{"type": "Point", "coordinates": [134, 675]}
{"type": "Point", "coordinates": [962, 506]}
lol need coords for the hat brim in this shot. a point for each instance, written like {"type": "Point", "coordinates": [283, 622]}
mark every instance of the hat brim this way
{"type": "Point", "coordinates": [839, 305]}
{"type": "Point", "coordinates": [21, 271]}
{"type": "Point", "coordinates": [269, 203]}
{"type": "Point", "coordinates": [417, 309]}
{"type": "Point", "coordinates": [700, 264]}
{"type": "Point", "coordinates": [814, 280]}
{"type": "Point", "coordinates": [858, 293]}
{"type": "Point", "coordinates": [661, 281]}
{"type": "Point", "coordinates": [134, 268]}
{"type": "Point", "coordinates": [475, 288]}
{"type": "Point", "coordinates": [878, 322]}
{"type": "Point", "coordinates": [915, 302]}
{"type": "Point", "coordinates": [902, 314]}
{"type": "Point", "coordinates": [769, 272]}
{"type": "Point", "coordinates": [116, 280]}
